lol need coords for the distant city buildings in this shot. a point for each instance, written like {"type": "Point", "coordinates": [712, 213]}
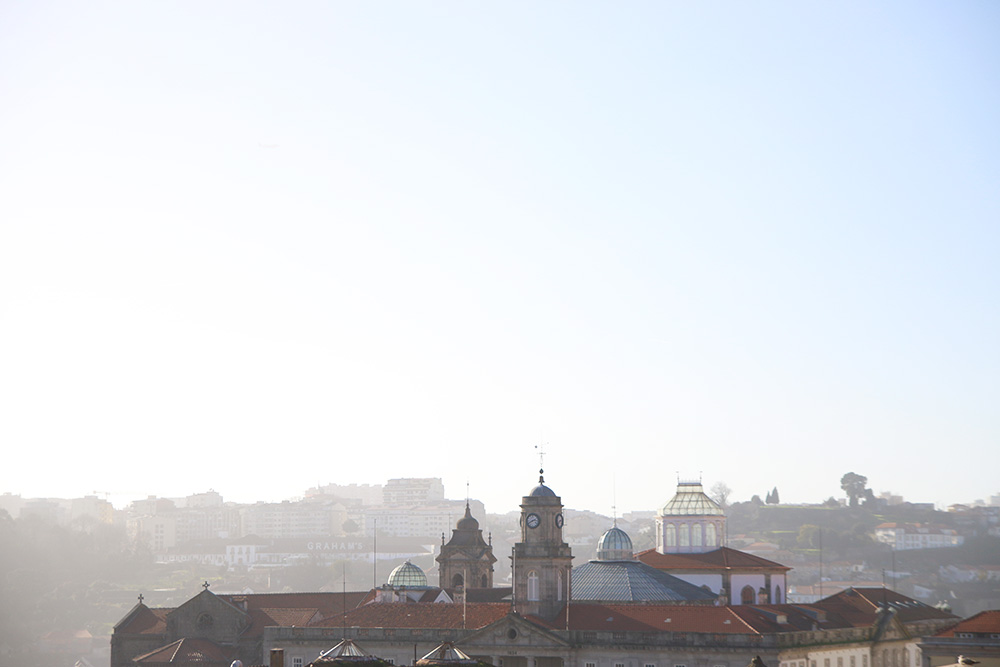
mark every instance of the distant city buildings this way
{"type": "Point", "coordinates": [905, 536]}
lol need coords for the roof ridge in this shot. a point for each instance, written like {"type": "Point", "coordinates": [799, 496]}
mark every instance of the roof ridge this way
{"type": "Point", "coordinates": [734, 612]}
{"type": "Point", "coordinates": [176, 649]}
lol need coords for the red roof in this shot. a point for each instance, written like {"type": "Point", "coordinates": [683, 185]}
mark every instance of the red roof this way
{"type": "Point", "coordinates": [858, 607]}
{"type": "Point", "coordinates": [145, 621]}
{"type": "Point", "coordinates": [984, 622]}
{"type": "Point", "coordinates": [419, 615]}
{"type": "Point", "coordinates": [722, 558]}
{"type": "Point", "coordinates": [326, 602]}
{"type": "Point", "coordinates": [186, 650]}
{"type": "Point", "coordinates": [653, 618]}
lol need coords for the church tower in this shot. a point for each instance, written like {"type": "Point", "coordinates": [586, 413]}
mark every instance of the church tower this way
{"type": "Point", "coordinates": [466, 560]}
{"type": "Point", "coordinates": [542, 561]}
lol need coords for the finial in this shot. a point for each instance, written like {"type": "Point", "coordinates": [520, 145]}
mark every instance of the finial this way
{"type": "Point", "coordinates": [466, 493]}
{"type": "Point", "coordinates": [541, 462]}
{"type": "Point", "coordinates": [614, 500]}
{"type": "Point", "coordinates": [206, 585]}
{"type": "Point", "coordinates": [140, 598]}
{"type": "Point", "coordinates": [490, 534]}
{"type": "Point", "coordinates": [442, 538]}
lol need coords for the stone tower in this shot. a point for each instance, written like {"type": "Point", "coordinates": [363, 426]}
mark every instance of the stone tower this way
{"type": "Point", "coordinates": [542, 561]}
{"type": "Point", "coordinates": [466, 560]}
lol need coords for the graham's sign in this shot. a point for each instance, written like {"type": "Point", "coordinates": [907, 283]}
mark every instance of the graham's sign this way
{"type": "Point", "coordinates": [336, 546]}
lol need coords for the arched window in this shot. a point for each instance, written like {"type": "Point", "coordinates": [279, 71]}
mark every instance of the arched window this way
{"type": "Point", "coordinates": [710, 539]}
{"type": "Point", "coordinates": [685, 535]}
{"type": "Point", "coordinates": [559, 585]}
{"type": "Point", "coordinates": [671, 535]}
{"type": "Point", "coordinates": [747, 595]}
{"type": "Point", "coordinates": [484, 582]}
{"type": "Point", "coordinates": [777, 600]}
{"type": "Point", "coordinates": [457, 580]}
{"type": "Point", "coordinates": [696, 535]}
{"type": "Point", "coordinates": [533, 586]}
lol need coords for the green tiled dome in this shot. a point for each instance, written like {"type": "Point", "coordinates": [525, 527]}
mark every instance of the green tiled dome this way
{"type": "Point", "coordinates": [408, 575]}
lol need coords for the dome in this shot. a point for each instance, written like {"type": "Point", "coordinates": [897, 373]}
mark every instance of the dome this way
{"type": "Point", "coordinates": [614, 545]}
{"type": "Point", "coordinates": [541, 489]}
{"type": "Point", "coordinates": [690, 500]}
{"type": "Point", "coordinates": [468, 522]}
{"type": "Point", "coordinates": [408, 575]}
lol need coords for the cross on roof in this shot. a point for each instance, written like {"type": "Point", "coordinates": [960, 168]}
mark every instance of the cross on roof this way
{"type": "Point", "coordinates": [140, 598]}
{"type": "Point", "coordinates": [206, 585]}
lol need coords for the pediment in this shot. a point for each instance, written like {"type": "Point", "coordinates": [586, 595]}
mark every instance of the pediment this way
{"type": "Point", "coordinates": [513, 631]}
{"type": "Point", "coordinates": [890, 629]}
{"type": "Point", "coordinates": [205, 615]}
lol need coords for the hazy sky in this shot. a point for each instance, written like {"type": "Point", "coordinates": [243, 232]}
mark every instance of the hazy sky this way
{"type": "Point", "coordinates": [259, 246]}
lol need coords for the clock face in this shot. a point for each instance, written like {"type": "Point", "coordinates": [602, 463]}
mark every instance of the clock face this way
{"type": "Point", "coordinates": [559, 520]}
{"type": "Point", "coordinates": [533, 520]}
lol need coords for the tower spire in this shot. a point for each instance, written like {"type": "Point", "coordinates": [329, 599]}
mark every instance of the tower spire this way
{"type": "Point", "coordinates": [541, 462]}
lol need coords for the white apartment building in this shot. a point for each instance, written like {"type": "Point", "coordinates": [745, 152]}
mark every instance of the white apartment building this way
{"type": "Point", "coordinates": [905, 536]}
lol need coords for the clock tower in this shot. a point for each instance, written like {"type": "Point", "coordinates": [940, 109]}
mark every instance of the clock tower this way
{"type": "Point", "coordinates": [542, 561]}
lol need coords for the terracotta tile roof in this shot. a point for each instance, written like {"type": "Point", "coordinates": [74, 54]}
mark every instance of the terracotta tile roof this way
{"type": "Point", "coordinates": [655, 618]}
{"type": "Point", "coordinates": [186, 650]}
{"type": "Point", "coordinates": [984, 622]}
{"type": "Point", "coordinates": [262, 618]}
{"type": "Point", "coordinates": [145, 621]}
{"type": "Point", "coordinates": [419, 615]}
{"type": "Point", "coordinates": [327, 602]}
{"type": "Point", "coordinates": [858, 607]}
{"type": "Point", "coordinates": [721, 558]}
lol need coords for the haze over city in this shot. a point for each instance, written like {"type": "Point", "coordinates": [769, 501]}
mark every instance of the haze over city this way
{"type": "Point", "coordinates": [257, 247]}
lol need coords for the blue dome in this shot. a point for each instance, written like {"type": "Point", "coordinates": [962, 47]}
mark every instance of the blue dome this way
{"type": "Point", "coordinates": [408, 575]}
{"type": "Point", "coordinates": [542, 490]}
{"type": "Point", "coordinates": [614, 545]}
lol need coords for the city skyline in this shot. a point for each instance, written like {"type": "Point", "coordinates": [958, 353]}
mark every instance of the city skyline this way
{"type": "Point", "coordinates": [255, 248]}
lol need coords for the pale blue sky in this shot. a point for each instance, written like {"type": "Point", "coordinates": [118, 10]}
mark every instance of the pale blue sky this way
{"type": "Point", "coordinates": [253, 247]}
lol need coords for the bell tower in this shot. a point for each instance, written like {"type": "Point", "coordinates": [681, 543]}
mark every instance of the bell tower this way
{"type": "Point", "coordinates": [542, 561]}
{"type": "Point", "coordinates": [466, 561]}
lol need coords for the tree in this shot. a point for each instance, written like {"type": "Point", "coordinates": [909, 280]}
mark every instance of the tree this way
{"type": "Point", "coordinates": [808, 535]}
{"type": "Point", "coordinates": [853, 485]}
{"type": "Point", "coordinates": [774, 499]}
{"type": "Point", "coordinates": [721, 493]}
{"type": "Point", "coordinates": [755, 500]}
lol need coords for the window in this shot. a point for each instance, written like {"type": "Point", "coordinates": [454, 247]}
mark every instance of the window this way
{"type": "Point", "coordinates": [591, 664]}
{"type": "Point", "coordinates": [297, 662]}
{"type": "Point", "coordinates": [777, 599]}
{"type": "Point", "coordinates": [559, 585]}
{"type": "Point", "coordinates": [671, 535]}
{"type": "Point", "coordinates": [685, 535]}
{"type": "Point", "coordinates": [864, 660]}
{"type": "Point", "coordinates": [746, 597]}
{"type": "Point", "coordinates": [696, 535]}
{"type": "Point", "coordinates": [457, 581]}
{"type": "Point", "coordinates": [533, 586]}
{"type": "Point", "coordinates": [710, 539]}
{"type": "Point", "coordinates": [391, 661]}
{"type": "Point", "coordinates": [840, 662]}
{"type": "Point", "coordinates": [854, 661]}
{"type": "Point", "coordinates": [826, 662]}
{"type": "Point", "coordinates": [650, 664]}
{"type": "Point", "coordinates": [619, 664]}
